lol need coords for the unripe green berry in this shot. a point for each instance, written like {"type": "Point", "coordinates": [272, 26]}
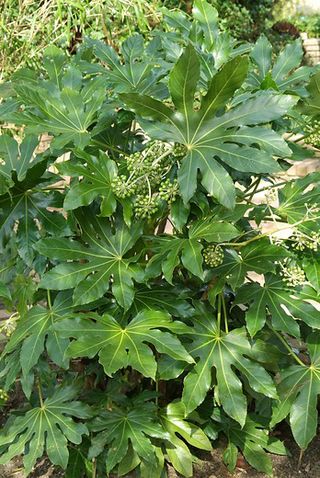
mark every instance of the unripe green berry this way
{"type": "Point", "coordinates": [213, 255]}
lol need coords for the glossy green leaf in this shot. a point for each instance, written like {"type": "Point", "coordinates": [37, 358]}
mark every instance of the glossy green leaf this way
{"type": "Point", "coordinates": [206, 136]}
{"type": "Point", "coordinates": [119, 428]}
{"type": "Point", "coordinates": [121, 346]}
{"type": "Point", "coordinates": [258, 256]}
{"type": "Point", "coordinates": [35, 332]}
{"type": "Point", "coordinates": [94, 265]}
{"type": "Point", "coordinates": [299, 388]}
{"type": "Point", "coordinates": [252, 439]}
{"type": "Point", "coordinates": [283, 304]}
{"type": "Point", "coordinates": [96, 175]}
{"type": "Point", "coordinates": [46, 428]}
{"type": "Point", "coordinates": [225, 353]}
{"type": "Point", "coordinates": [175, 424]}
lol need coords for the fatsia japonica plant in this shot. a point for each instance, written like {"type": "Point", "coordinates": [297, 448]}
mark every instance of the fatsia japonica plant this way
{"type": "Point", "coordinates": [160, 268]}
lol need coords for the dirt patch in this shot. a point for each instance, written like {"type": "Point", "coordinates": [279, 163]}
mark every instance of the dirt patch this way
{"type": "Point", "coordinates": [209, 466]}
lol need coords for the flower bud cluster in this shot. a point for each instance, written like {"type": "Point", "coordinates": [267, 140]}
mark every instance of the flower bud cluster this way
{"type": "Point", "coordinates": [292, 274]}
{"type": "Point", "coordinates": [313, 133]}
{"type": "Point", "coordinates": [144, 181]}
{"type": "Point", "coordinates": [3, 395]}
{"type": "Point", "coordinates": [303, 241]}
{"type": "Point", "coordinates": [213, 255]}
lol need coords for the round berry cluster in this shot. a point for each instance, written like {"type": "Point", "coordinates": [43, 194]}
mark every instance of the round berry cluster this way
{"type": "Point", "coordinates": [9, 325]}
{"type": "Point", "coordinates": [121, 187]}
{"type": "Point", "coordinates": [168, 191]}
{"type": "Point", "coordinates": [293, 275]}
{"type": "Point", "coordinates": [146, 206]}
{"type": "Point", "coordinates": [144, 182]}
{"type": "Point", "coordinates": [179, 149]}
{"type": "Point", "coordinates": [213, 255]}
{"type": "Point", "coordinates": [303, 241]}
{"type": "Point", "coordinates": [3, 395]}
{"type": "Point", "coordinates": [313, 133]}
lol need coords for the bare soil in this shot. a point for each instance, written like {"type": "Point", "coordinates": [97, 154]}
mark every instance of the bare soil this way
{"type": "Point", "coordinates": [210, 465]}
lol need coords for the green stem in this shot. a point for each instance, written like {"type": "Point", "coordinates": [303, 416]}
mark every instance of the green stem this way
{"type": "Point", "coordinates": [254, 190]}
{"type": "Point", "coordinates": [277, 185]}
{"type": "Point", "coordinates": [287, 346]}
{"type": "Point", "coordinates": [219, 313]}
{"type": "Point", "coordinates": [49, 299]}
{"type": "Point", "coordinates": [265, 234]}
{"type": "Point", "coordinates": [225, 315]}
{"type": "Point", "coordinates": [94, 468]}
{"type": "Point", "coordinates": [39, 387]}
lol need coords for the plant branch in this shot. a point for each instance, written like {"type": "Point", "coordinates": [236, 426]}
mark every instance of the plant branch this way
{"type": "Point", "coordinates": [287, 346]}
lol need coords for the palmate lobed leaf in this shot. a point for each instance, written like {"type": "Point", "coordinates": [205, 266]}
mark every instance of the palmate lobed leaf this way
{"type": "Point", "coordinates": [252, 439]}
{"type": "Point", "coordinates": [223, 352]}
{"type": "Point", "coordinates": [94, 265]}
{"type": "Point", "coordinates": [120, 346]}
{"type": "Point", "coordinates": [182, 432]}
{"type": "Point", "coordinates": [35, 332]}
{"type": "Point", "coordinates": [120, 428]}
{"type": "Point", "coordinates": [298, 389]}
{"type": "Point", "coordinates": [46, 428]}
{"type": "Point", "coordinates": [284, 306]}
{"type": "Point", "coordinates": [170, 251]}
{"type": "Point", "coordinates": [206, 135]}
{"type": "Point", "coordinates": [258, 256]}
{"type": "Point", "coordinates": [286, 74]}
{"type": "Point", "coordinates": [95, 175]}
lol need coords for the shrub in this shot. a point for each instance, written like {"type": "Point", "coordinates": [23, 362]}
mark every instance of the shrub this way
{"type": "Point", "coordinates": [150, 308]}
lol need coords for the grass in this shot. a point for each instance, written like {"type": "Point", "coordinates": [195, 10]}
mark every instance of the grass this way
{"type": "Point", "coordinates": [28, 26]}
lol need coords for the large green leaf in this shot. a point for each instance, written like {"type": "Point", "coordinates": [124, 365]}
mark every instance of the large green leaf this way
{"type": "Point", "coordinates": [311, 105]}
{"type": "Point", "coordinates": [169, 249]}
{"type": "Point", "coordinates": [16, 158]}
{"type": "Point", "coordinates": [298, 389]}
{"type": "Point", "coordinates": [168, 252]}
{"type": "Point", "coordinates": [120, 428]}
{"type": "Point", "coordinates": [252, 439]}
{"type": "Point", "coordinates": [224, 352]}
{"type": "Point", "coordinates": [258, 256]}
{"type": "Point", "coordinates": [95, 175]}
{"type": "Point", "coordinates": [139, 71]}
{"type": "Point", "coordinates": [182, 431]}
{"type": "Point", "coordinates": [203, 133]}
{"type": "Point", "coordinates": [286, 74]}
{"type": "Point", "coordinates": [162, 297]}
{"type": "Point", "coordinates": [35, 332]}
{"type": "Point", "coordinates": [95, 264]}
{"type": "Point", "coordinates": [298, 200]}
{"type": "Point", "coordinates": [275, 299]}
{"type": "Point", "coordinates": [120, 346]}
{"type": "Point", "coordinates": [48, 428]}
{"type": "Point", "coordinates": [65, 103]}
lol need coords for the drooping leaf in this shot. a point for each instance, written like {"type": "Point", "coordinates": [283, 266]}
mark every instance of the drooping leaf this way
{"type": "Point", "coordinates": [298, 389]}
{"type": "Point", "coordinates": [120, 346]}
{"type": "Point", "coordinates": [48, 428]}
